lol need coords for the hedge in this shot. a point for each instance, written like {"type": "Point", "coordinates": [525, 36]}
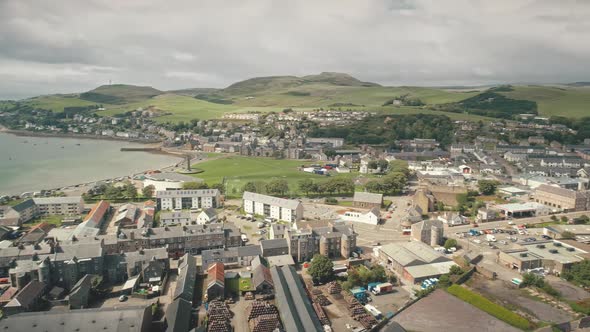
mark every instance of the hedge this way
{"type": "Point", "coordinates": [490, 307]}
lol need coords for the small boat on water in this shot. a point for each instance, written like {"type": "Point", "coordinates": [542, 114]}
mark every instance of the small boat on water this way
{"type": "Point", "coordinates": [78, 144]}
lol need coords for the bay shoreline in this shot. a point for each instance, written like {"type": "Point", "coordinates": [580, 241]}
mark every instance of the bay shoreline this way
{"type": "Point", "coordinates": [74, 189]}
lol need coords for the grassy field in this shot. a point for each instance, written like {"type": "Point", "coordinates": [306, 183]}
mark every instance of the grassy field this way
{"type": "Point", "coordinates": [324, 95]}
{"type": "Point", "coordinates": [556, 100]}
{"type": "Point", "coordinates": [57, 103]}
{"type": "Point", "coordinates": [184, 108]}
{"type": "Point", "coordinates": [239, 170]}
{"type": "Point", "coordinates": [490, 307]}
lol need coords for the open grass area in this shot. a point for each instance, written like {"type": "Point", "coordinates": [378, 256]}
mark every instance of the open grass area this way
{"type": "Point", "coordinates": [56, 103]}
{"type": "Point", "coordinates": [246, 285]}
{"type": "Point", "coordinates": [490, 307]}
{"type": "Point", "coordinates": [238, 171]}
{"type": "Point", "coordinates": [555, 100]}
{"type": "Point", "coordinates": [52, 220]}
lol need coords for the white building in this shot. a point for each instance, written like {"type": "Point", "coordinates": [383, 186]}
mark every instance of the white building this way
{"type": "Point", "coordinates": [367, 217]}
{"type": "Point", "coordinates": [65, 206]}
{"type": "Point", "coordinates": [453, 219]}
{"type": "Point", "coordinates": [278, 208]}
{"type": "Point", "coordinates": [188, 199]}
{"type": "Point", "coordinates": [168, 180]}
{"type": "Point", "coordinates": [175, 218]}
{"type": "Point", "coordinates": [207, 216]}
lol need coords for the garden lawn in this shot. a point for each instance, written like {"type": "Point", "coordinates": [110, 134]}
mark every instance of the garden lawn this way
{"type": "Point", "coordinates": [490, 307]}
{"type": "Point", "coordinates": [238, 171]}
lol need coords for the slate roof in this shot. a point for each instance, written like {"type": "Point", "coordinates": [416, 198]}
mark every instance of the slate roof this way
{"type": "Point", "coordinates": [28, 295]}
{"type": "Point", "coordinates": [294, 306]}
{"type": "Point", "coordinates": [368, 197]}
{"type": "Point", "coordinates": [185, 283]}
{"type": "Point", "coordinates": [118, 319]}
{"type": "Point", "coordinates": [273, 244]}
{"type": "Point", "coordinates": [178, 316]}
{"type": "Point", "coordinates": [26, 204]}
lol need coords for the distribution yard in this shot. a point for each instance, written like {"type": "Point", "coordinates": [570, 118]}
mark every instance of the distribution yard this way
{"type": "Point", "coordinates": [239, 170]}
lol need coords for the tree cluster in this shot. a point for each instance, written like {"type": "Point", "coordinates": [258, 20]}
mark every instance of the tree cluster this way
{"type": "Point", "coordinates": [579, 273]}
{"type": "Point", "coordinates": [361, 276]}
{"type": "Point", "coordinates": [487, 187]}
{"type": "Point", "coordinates": [334, 185]}
{"type": "Point", "coordinates": [387, 129]}
{"type": "Point", "coordinates": [321, 268]}
{"type": "Point", "coordinates": [534, 280]}
{"type": "Point", "coordinates": [391, 184]}
{"type": "Point", "coordinates": [273, 187]}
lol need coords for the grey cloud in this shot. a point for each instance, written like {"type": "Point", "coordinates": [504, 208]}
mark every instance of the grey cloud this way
{"type": "Point", "coordinates": [75, 45]}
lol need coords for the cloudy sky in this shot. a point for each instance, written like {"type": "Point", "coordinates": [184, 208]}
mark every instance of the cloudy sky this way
{"type": "Point", "coordinates": [73, 45]}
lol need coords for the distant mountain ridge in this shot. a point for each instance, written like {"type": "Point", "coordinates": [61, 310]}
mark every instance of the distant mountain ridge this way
{"type": "Point", "coordinates": [258, 84]}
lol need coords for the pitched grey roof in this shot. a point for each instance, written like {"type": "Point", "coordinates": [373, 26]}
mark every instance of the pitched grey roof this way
{"type": "Point", "coordinates": [271, 200]}
{"type": "Point", "coordinates": [20, 207]}
{"type": "Point", "coordinates": [251, 250]}
{"type": "Point", "coordinates": [368, 197]}
{"type": "Point", "coordinates": [294, 306]}
{"type": "Point", "coordinates": [210, 212]}
{"type": "Point", "coordinates": [57, 200]}
{"type": "Point", "coordinates": [119, 319]}
{"type": "Point", "coordinates": [178, 316]}
{"type": "Point", "coordinates": [185, 283]}
{"type": "Point", "coordinates": [29, 294]}
{"type": "Point", "coordinates": [274, 244]}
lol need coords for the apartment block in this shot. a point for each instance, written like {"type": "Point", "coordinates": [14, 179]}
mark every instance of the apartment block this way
{"type": "Point", "coordinates": [273, 207]}
{"type": "Point", "coordinates": [65, 206]}
{"type": "Point", "coordinates": [188, 199]}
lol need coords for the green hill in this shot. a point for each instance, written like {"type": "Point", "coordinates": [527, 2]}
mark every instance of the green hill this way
{"type": "Point", "coordinates": [568, 101]}
{"type": "Point", "coordinates": [119, 94]}
{"type": "Point", "coordinates": [328, 90]}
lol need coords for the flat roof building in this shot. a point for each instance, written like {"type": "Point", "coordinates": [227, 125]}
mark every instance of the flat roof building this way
{"type": "Point", "coordinates": [555, 256]}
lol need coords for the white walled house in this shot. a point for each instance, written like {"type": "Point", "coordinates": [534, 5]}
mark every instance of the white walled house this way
{"type": "Point", "coordinates": [273, 207]}
{"type": "Point", "coordinates": [367, 217]}
{"type": "Point", "coordinates": [207, 216]}
{"type": "Point", "coordinates": [188, 199]}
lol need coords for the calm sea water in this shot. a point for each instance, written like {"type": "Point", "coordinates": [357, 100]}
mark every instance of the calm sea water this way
{"type": "Point", "coordinates": [35, 163]}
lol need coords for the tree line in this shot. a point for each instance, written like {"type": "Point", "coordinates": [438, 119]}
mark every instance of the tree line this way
{"type": "Point", "coordinates": [388, 128]}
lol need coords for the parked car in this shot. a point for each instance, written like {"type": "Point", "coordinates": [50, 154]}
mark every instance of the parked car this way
{"type": "Point", "coordinates": [122, 298]}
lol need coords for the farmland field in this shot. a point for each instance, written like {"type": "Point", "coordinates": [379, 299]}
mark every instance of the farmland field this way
{"type": "Point", "coordinates": [239, 170]}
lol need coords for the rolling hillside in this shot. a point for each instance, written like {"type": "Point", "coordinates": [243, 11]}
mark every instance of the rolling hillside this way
{"type": "Point", "coordinates": [325, 90]}
{"type": "Point", "coordinates": [119, 94]}
{"type": "Point", "coordinates": [568, 101]}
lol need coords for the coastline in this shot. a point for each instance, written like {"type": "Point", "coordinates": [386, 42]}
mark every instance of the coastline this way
{"type": "Point", "coordinates": [176, 158]}
{"type": "Point", "coordinates": [27, 133]}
